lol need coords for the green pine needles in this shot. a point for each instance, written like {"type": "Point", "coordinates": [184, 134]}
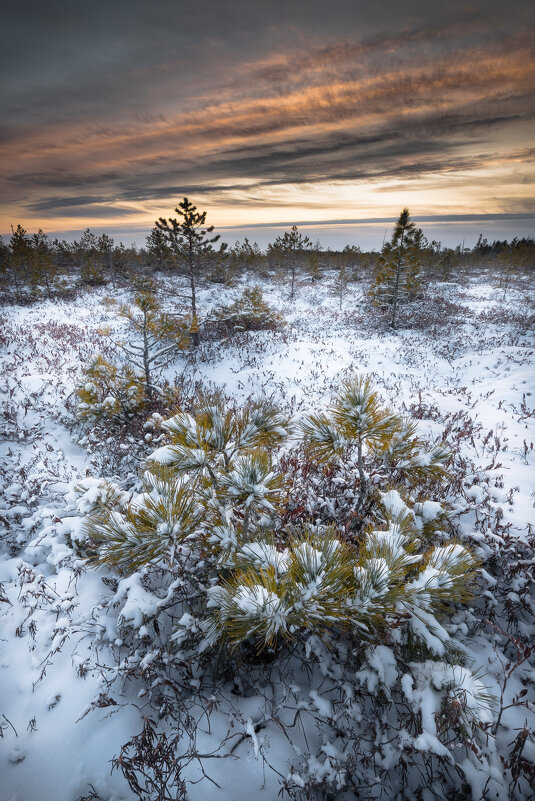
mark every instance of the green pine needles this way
{"type": "Point", "coordinates": [216, 499]}
{"type": "Point", "coordinates": [397, 276]}
{"type": "Point", "coordinates": [250, 312]}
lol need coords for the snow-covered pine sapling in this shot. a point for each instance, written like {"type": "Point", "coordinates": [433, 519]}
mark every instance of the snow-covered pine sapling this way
{"type": "Point", "coordinates": [384, 447]}
{"type": "Point", "coordinates": [228, 455]}
{"type": "Point", "coordinates": [397, 275]}
{"type": "Point", "coordinates": [156, 338]}
{"type": "Point", "coordinates": [320, 584]}
{"type": "Point", "coordinates": [215, 479]}
{"type": "Point", "coordinates": [354, 421]}
{"type": "Point", "coordinates": [250, 312]}
{"type": "Point", "coordinates": [158, 524]}
{"type": "Point", "coordinates": [109, 392]}
{"type": "Point", "coordinates": [213, 495]}
{"type": "Point", "coordinates": [278, 594]}
{"type": "Point", "coordinates": [409, 458]}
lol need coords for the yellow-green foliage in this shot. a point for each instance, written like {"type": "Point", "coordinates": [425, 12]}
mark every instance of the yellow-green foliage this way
{"type": "Point", "coordinates": [215, 437]}
{"type": "Point", "coordinates": [320, 583]}
{"type": "Point", "coordinates": [215, 490]}
{"type": "Point", "coordinates": [108, 391]}
{"type": "Point", "coordinates": [356, 421]}
{"type": "Point", "coordinates": [354, 417]}
{"type": "Point", "coordinates": [147, 319]}
{"type": "Point", "coordinates": [250, 312]}
{"type": "Point", "coordinates": [165, 518]}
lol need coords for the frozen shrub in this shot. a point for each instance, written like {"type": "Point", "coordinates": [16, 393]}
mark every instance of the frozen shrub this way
{"type": "Point", "coordinates": [357, 593]}
{"type": "Point", "coordinates": [250, 312]}
{"type": "Point", "coordinates": [109, 392]}
{"type": "Point", "coordinates": [216, 486]}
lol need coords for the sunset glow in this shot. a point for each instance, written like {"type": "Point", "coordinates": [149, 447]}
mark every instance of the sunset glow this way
{"type": "Point", "coordinates": [294, 121]}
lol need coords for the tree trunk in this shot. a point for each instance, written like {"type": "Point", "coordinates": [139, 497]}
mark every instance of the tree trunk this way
{"type": "Point", "coordinates": [363, 489]}
{"type": "Point", "coordinates": [396, 287]}
{"type": "Point", "coordinates": [191, 265]}
{"type": "Point", "coordinates": [146, 365]}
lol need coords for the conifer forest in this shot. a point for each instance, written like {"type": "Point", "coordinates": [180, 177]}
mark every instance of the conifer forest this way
{"type": "Point", "coordinates": [266, 517]}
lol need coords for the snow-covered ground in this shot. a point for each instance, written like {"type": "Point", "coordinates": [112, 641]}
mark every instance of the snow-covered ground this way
{"type": "Point", "coordinates": [470, 375]}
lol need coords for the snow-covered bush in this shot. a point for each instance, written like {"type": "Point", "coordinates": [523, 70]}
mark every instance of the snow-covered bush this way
{"type": "Point", "coordinates": [351, 597]}
{"type": "Point", "coordinates": [106, 391]}
{"type": "Point", "coordinates": [250, 312]}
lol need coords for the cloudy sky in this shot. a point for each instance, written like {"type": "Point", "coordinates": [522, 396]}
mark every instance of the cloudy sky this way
{"type": "Point", "coordinates": [333, 114]}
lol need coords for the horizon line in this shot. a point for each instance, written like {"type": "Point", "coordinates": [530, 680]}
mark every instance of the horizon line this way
{"type": "Point", "coordinates": [426, 218]}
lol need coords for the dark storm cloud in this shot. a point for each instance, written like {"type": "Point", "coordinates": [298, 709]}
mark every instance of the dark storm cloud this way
{"type": "Point", "coordinates": [131, 102]}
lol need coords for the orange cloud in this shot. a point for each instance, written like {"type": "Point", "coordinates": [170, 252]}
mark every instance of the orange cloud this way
{"type": "Point", "coordinates": [342, 114]}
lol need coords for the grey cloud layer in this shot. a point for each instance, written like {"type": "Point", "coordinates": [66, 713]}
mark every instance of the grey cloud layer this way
{"type": "Point", "coordinates": [131, 102]}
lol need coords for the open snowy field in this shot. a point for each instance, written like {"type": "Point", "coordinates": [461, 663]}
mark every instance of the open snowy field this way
{"type": "Point", "coordinates": [464, 371]}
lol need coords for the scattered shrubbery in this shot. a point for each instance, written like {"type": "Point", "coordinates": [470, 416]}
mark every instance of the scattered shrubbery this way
{"type": "Point", "coordinates": [33, 266]}
{"type": "Point", "coordinates": [314, 565]}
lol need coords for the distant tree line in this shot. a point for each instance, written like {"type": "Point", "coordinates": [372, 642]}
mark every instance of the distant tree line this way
{"type": "Point", "coordinates": [34, 265]}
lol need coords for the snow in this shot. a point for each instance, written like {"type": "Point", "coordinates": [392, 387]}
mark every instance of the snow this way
{"type": "Point", "coordinates": [382, 669]}
{"type": "Point", "coordinates": [265, 555]}
{"type": "Point", "coordinates": [164, 455]}
{"type": "Point", "coordinates": [394, 503]}
{"type": "Point", "coordinates": [483, 378]}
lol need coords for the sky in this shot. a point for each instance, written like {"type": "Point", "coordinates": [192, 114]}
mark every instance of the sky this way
{"type": "Point", "coordinates": [330, 115]}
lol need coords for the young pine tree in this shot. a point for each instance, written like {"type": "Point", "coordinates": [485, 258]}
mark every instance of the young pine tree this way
{"type": "Point", "coordinates": [105, 252]}
{"type": "Point", "coordinates": [397, 277]}
{"type": "Point", "coordinates": [340, 284]}
{"type": "Point", "coordinates": [87, 250]}
{"type": "Point", "coordinates": [21, 255]}
{"type": "Point", "coordinates": [290, 248]}
{"type": "Point", "coordinates": [213, 497]}
{"type": "Point", "coordinates": [156, 339]}
{"type": "Point", "coordinates": [158, 248]}
{"type": "Point", "coordinates": [43, 267]}
{"type": "Point", "coordinates": [189, 242]}
{"type": "Point", "coordinates": [108, 392]}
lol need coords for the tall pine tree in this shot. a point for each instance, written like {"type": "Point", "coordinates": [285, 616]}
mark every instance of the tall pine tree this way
{"type": "Point", "coordinates": [397, 276]}
{"type": "Point", "coordinates": [189, 242]}
{"type": "Point", "coordinates": [290, 248]}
